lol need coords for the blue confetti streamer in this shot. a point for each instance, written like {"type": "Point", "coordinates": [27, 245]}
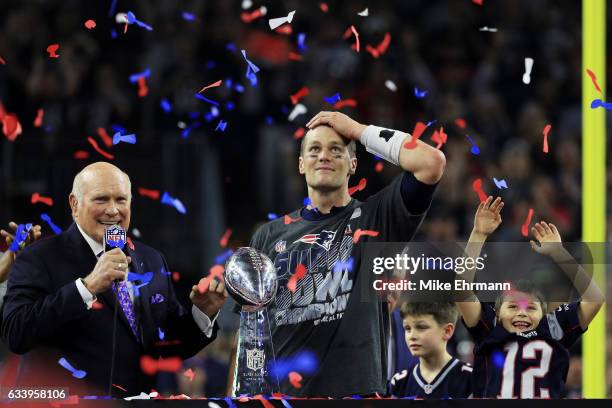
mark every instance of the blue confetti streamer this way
{"type": "Point", "coordinates": [131, 19]}
{"type": "Point", "coordinates": [165, 105]}
{"type": "Point", "coordinates": [304, 362]}
{"type": "Point", "coordinates": [475, 150]}
{"type": "Point", "coordinates": [272, 216]}
{"type": "Point", "coordinates": [160, 333]}
{"type": "Point", "coordinates": [229, 106]}
{"type": "Point", "coordinates": [173, 202]}
{"type": "Point", "coordinates": [221, 258]}
{"type": "Point", "coordinates": [221, 126]}
{"type": "Point", "coordinates": [252, 69]}
{"type": "Point", "coordinates": [197, 95]}
{"type": "Point", "coordinates": [20, 236]}
{"type": "Point", "coordinates": [188, 16]}
{"type": "Point", "coordinates": [239, 88]}
{"type": "Point", "coordinates": [599, 103]}
{"type": "Point", "coordinates": [142, 277]}
{"type": "Point", "coordinates": [301, 39]}
{"type": "Point", "coordinates": [75, 373]}
{"type": "Point", "coordinates": [112, 8]}
{"type": "Point", "coordinates": [47, 219]}
{"type": "Point", "coordinates": [307, 199]}
{"type": "Point", "coordinates": [286, 403]}
{"type": "Point", "coordinates": [333, 99]}
{"type": "Point", "coordinates": [118, 138]}
{"type": "Point", "coordinates": [269, 120]}
{"type": "Point", "coordinates": [500, 183]}
{"type": "Point", "coordinates": [144, 74]}
{"type": "Point", "coordinates": [230, 403]}
{"type": "Point", "coordinates": [231, 47]}
{"type": "Point", "coordinates": [118, 128]}
{"type": "Point", "coordinates": [419, 94]}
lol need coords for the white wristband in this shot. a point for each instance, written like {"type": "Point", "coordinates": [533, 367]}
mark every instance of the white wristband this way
{"type": "Point", "coordinates": [386, 143]}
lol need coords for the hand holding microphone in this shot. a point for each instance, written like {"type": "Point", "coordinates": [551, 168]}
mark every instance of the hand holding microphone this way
{"type": "Point", "coordinates": [112, 266]}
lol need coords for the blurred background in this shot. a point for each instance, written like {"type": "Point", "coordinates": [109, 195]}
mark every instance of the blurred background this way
{"type": "Point", "coordinates": [468, 58]}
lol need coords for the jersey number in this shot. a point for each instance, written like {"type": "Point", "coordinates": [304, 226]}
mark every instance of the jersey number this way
{"type": "Point", "coordinates": [529, 375]}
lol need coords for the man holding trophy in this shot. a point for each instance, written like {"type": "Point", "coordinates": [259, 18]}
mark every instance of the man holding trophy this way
{"type": "Point", "coordinates": [316, 252]}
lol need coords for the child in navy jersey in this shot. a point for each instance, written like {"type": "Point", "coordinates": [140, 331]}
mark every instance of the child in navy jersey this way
{"type": "Point", "coordinates": [521, 343]}
{"type": "Point", "coordinates": [428, 328]}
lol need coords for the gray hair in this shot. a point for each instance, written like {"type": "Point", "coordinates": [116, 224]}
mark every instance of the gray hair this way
{"type": "Point", "coordinates": [77, 184]}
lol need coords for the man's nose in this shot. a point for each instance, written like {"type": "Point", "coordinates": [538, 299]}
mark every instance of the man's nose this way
{"type": "Point", "coordinates": [324, 155]}
{"type": "Point", "coordinates": [112, 209]}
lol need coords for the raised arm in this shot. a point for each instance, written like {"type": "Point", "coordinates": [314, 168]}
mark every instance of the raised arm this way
{"type": "Point", "coordinates": [486, 220]}
{"type": "Point", "coordinates": [550, 244]}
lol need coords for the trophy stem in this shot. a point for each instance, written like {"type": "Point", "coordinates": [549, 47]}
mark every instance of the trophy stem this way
{"type": "Point", "coordinates": [254, 356]}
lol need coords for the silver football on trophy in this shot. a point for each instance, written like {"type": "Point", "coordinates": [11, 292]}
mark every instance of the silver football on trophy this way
{"type": "Point", "coordinates": [250, 277]}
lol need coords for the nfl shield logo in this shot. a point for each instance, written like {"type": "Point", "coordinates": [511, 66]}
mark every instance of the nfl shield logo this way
{"type": "Point", "coordinates": [280, 246]}
{"type": "Point", "coordinates": [115, 237]}
{"type": "Point", "coordinates": [255, 359]}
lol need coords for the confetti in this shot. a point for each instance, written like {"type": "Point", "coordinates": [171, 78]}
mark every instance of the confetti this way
{"type": "Point", "coordinates": [75, 373]}
{"type": "Point", "coordinates": [118, 138]}
{"type": "Point", "coordinates": [294, 57]}
{"type": "Point", "coordinates": [475, 150]}
{"type": "Point", "coordinates": [545, 133]}
{"type": "Point", "coordinates": [298, 109]}
{"type": "Point", "coordinates": [439, 137]}
{"type": "Point", "coordinates": [380, 48]}
{"type": "Point", "coordinates": [272, 216]}
{"type": "Point", "coordinates": [300, 273]}
{"type": "Point", "coordinates": [2, 61]}
{"type": "Point", "coordinates": [129, 240]}
{"type": "Point", "coordinates": [324, 7]}
{"type": "Point", "coordinates": [461, 123]}
{"type": "Point", "coordinates": [295, 379]}
{"type": "Point", "coordinates": [131, 19]}
{"type": "Point", "coordinates": [173, 202]}
{"type": "Point", "coordinates": [304, 362]}
{"type": "Point", "coordinates": [288, 220]}
{"type": "Point", "coordinates": [108, 141]}
{"type": "Point", "coordinates": [299, 133]}
{"type": "Point", "coordinates": [390, 85]}
{"type": "Point", "coordinates": [205, 99]}
{"type": "Point", "coordinates": [221, 258]}
{"type": "Point", "coordinates": [189, 374]}
{"type": "Point", "coordinates": [246, 4]}
{"type": "Point", "coordinates": [528, 68]}
{"type": "Point", "coordinates": [489, 29]}
{"type": "Point", "coordinates": [419, 94]}
{"type": "Point", "coordinates": [525, 226]}
{"type": "Point", "coordinates": [143, 89]}
{"type": "Point", "coordinates": [479, 2]}
{"type": "Point", "coordinates": [379, 167]}
{"type": "Point", "coordinates": [90, 24]}
{"type": "Point", "coordinates": [251, 71]}
{"type": "Point", "coordinates": [594, 80]}
{"type": "Point", "coordinates": [302, 92]}
{"type": "Point", "coordinates": [364, 13]}
{"type": "Point", "coordinates": [20, 237]}
{"type": "Point", "coordinates": [279, 21]}
{"type": "Point", "coordinates": [346, 102]}
{"type": "Point", "coordinates": [477, 187]}
{"type": "Point", "coordinates": [165, 105]}
{"type": "Point", "coordinates": [359, 233]}
{"type": "Point", "coordinates": [333, 99]}
{"type": "Point", "coordinates": [153, 194]}
{"type": "Point", "coordinates": [358, 187]}
{"type": "Point", "coordinates": [213, 85]}
{"type": "Point", "coordinates": [151, 366]}
{"type": "Point", "coordinates": [599, 103]}
{"type": "Point", "coordinates": [81, 155]}
{"type": "Point", "coordinates": [247, 17]}
{"type": "Point", "coordinates": [98, 149]}
{"type": "Point", "coordinates": [188, 16]}
{"type": "Point", "coordinates": [37, 198]}
{"type": "Point", "coordinates": [500, 183]}
{"type": "Point", "coordinates": [221, 126]}
{"type": "Point", "coordinates": [225, 238]}
{"type": "Point", "coordinates": [419, 128]}
{"type": "Point", "coordinates": [11, 127]}
{"type": "Point", "coordinates": [142, 277]}
{"type": "Point", "coordinates": [347, 34]}
{"type": "Point", "coordinates": [52, 49]}
{"type": "Point", "coordinates": [39, 117]}
{"type": "Point", "coordinates": [301, 42]}
{"type": "Point", "coordinates": [47, 219]}
{"type": "Point", "coordinates": [134, 78]}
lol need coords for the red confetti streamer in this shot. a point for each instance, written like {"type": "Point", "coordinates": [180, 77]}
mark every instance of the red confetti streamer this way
{"type": "Point", "coordinates": [2, 61]}
{"type": "Point", "coordinates": [284, 29]}
{"type": "Point", "coordinates": [289, 220]}
{"type": "Point", "coordinates": [379, 167]}
{"type": "Point", "coordinates": [354, 31]}
{"type": "Point", "coordinates": [36, 198]}
{"type": "Point", "coordinates": [594, 80]}
{"type": "Point", "coordinates": [225, 238]}
{"type": "Point", "coordinates": [52, 49]}
{"type": "Point", "coordinates": [152, 194]}
{"type": "Point", "coordinates": [39, 117]}
{"type": "Point", "coordinates": [189, 374]}
{"type": "Point", "coordinates": [247, 17]}
{"type": "Point", "coordinates": [300, 272]}
{"type": "Point", "coordinates": [324, 7]}
{"type": "Point", "coordinates": [120, 387]}
{"type": "Point", "coordinates": [381, 48]}
{"type": "Point", "coordinates": [439, 137]}
{"type": "Point", "coordinates": [357, 235]}
{"type": "Point", "coordinates": [90, 24]}
{"type": "Point", "coordinates": [545, 133]}
{"type": "Point", "coordinates": [131, 244]}
{"type": "Point", "coordinates": [477, 187]}
{"type": "Point", "coordinates": [461, 123]}
{"type": "Point", "coordinates": [98, 149]}
{"type": "Point", "coordinates": [294, 56]}
{"type": "Point", "coordinates": [213, 85]}
{"type": "Point", "coordinates": [143, 89]}
{"type": "Point", "coordinates": [108, 141]}
{"type": "Point", "coordinates": [345, 102]}
{"type": "Point", "coordinates": [295, 379]}
{"type": "Point", "coordinates": [419, 128]}
{"type": "Point", "coordinates": [479, 2]}
{"type": "Point", "coordinates": [97, 305]}
{"type": "Point", "coordinates": [81, 155]}
{"type": "Point", "coordinates": [525, 226]}
{"type": "Point", "coordinates": [358, 187]}
{"type": "Point", "coordinates": [150, 366]}
{"type": "Point", "coordinates": [176, 276]}
{"type": "Point", "coordinates": [295, 98]}
{"type": "Point", "coordinates": [299, 133]}
{"type": "Point", "coordinates": [11, 126]}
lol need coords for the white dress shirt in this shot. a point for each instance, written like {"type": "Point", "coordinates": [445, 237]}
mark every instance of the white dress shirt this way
{"type": "Point", "coordinates": [200, 318]}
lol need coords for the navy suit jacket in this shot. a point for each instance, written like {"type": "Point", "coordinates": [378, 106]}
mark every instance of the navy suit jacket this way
{"type": "Point", "coordinates": [45, 318]}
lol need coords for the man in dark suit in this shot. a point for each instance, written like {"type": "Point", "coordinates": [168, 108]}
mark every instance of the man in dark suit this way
{"type": "Point", "coordinates": [69, 299]}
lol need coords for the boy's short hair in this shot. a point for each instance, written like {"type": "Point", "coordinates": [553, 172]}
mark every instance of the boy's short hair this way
{"type": "Point", "coordinates": [350, 145]}
{"type": "Point", "coordinates": [442, 312]}
{"type": "Point", "coordinates": [523, 286]}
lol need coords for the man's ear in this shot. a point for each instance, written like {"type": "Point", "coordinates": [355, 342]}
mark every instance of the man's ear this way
{"type": "Point", "coordinates": [301, 165]}
{"type": "Point", "coordinates": [449, 330]}
{"type": "Point", "coordinates": [353, 166]}
{"type": "Point", "coordinates": [73, 204]}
